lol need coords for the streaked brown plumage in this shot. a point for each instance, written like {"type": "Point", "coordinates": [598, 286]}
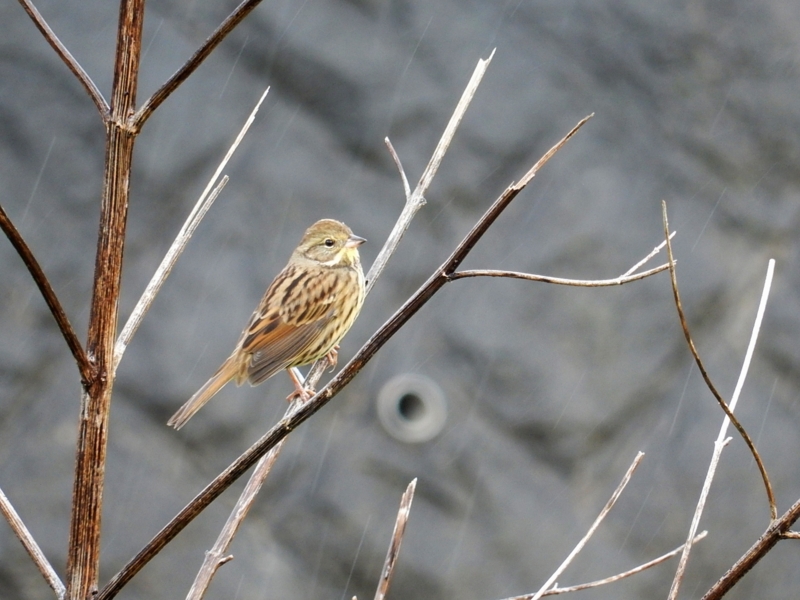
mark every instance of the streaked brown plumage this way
{"type": "Point", "coordinates": [304, 314]}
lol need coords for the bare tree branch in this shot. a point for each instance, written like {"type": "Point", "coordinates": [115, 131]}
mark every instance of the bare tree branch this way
{"type": "Point", "coordinates": [83, 553]}
{"type": "Point", "coordinates": [153, 102]}
{"type": "Point", "coordinates": [85, 367]}
{"type": "Point", "coordinates": [554, 591]}
{"type": "Point", "coordinates": [286, 425]}
{"type": "Point", "coordinates": [416, 199]}
{"type": "Point", "coordinates": [217, 556]}
{"type": "Point", "coordinates": [397, 540]}
{"type": "Point", "coordinates": [69, 60]}
{"type": "Point", "coordinates": [32, 548]}
{"type": "Point", "coordinates": [547, 279]}
{"type": "Point", "coordinates": [721, 440]}
{"type": "Point", "coordinates": [200, 209]}
{"type": "Point", "coordinates": [776, 531]}
{"type": "Point", "coordinates": [606, 509]}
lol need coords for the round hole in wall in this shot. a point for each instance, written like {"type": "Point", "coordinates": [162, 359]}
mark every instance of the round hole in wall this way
{"type": "Point", "coordinates": [412, 408]}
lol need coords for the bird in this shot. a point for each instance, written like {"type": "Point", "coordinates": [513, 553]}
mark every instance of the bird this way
{"type": "Point", "coordinates": [304, 314]}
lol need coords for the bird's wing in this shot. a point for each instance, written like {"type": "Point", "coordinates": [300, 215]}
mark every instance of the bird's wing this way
{"type": "Point", "coordinates": [292, 315]}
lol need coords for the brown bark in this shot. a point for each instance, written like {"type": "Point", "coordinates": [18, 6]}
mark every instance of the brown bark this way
{"type": "Point", "coordinates": [87, 496]}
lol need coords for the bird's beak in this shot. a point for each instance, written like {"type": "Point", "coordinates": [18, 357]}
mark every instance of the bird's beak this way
{"type": "Point", "coordinates": [354, 241]}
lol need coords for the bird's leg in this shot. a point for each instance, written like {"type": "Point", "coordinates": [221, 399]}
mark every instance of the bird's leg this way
{"type": "Point", "coordinates": [333, 356]}
{"type": "Point", "coordinates": [300, 391]}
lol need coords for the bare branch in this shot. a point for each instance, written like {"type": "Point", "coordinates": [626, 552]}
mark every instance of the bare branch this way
{"type": "Point", "coordinates": [721, 440]}
{"type": "Point", "coordinates": [200, 209]}
{"type": "Point", "coordinates": [216, 557]}
{"type": "Point", "coordinates": [237, 16]}
{"type": "Point", "coordinates": [69, 60]}
{"type": "Point", "coordinates": [653, 252]}
{"type": "Point", "coordinates": [397, 540]}
{"type": "Point", "coordinates": [32, 548]}
{"type": "Point", "coordinates": [84, 366]}
{"type": "Point", "coordinates": [416, 200]}
{"type": "Point", "coordinates": [777, 530]}
{"type": "Point", "coordinates": [554, 591]}
{"type": "Point", "coordinates": [286, 425]}
{"type": "Point", "coordinates": [609, 505]}
{"type": "Point", "coordinates": [547, 279]}
{"type": "Point", "coordinates": [401, 170]}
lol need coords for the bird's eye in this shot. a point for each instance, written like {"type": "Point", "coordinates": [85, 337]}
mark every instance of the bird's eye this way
{"type": "Point", "coordinates": [329, 243]}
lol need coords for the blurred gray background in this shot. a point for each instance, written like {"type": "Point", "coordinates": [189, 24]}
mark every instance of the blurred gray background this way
{"type": "Point", "coordinates": [550, 391]}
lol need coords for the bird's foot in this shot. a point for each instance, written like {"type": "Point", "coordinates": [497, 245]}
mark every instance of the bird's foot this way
{"type": "Point", "coordinates": [333, 356]}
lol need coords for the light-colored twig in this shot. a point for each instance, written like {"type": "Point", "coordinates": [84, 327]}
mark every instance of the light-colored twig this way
{"type": "Point", "coordinates": [416, 199]}
{"type": "Point", "coordinates": [217, 556]}
{"type": "Point", "coordinates": [554, 591]}
{"type": "Point", "coordinates": [184, 235]}
{"type": "Point", "coordinates": [609, 505]}
{"type": "Point", "coordinates": [30, 545]}
{"type": "Point", "coordinates": [547, 279]}
{"type": "Point", "coordinates": [722, 439]}
{"type": "Point", "coordinates": [397, 540]}
{"type": "Point", "coordinates": [653, 252]}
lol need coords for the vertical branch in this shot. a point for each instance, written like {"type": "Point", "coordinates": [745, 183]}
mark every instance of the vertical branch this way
{"type": "Point", "coordinates": [87, 496]}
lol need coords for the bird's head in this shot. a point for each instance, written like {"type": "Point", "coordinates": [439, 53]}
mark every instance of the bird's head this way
{"type": "Point", "coordinates": [330, 243]}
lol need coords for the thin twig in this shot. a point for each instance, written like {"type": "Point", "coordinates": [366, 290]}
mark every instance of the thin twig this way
{"type": "Point", "coordinates": [554, 591]}
{"type": "Point", "coordinates": [200, 209]}
{"type": "Point", "coordinates": [32, 548]}
{"type": "Point", "coordinates": [397, 540]}
{"type": "Point", "coordinates": [85, 367]}
{"type": "Point", "coordinates": [547, 279]}
{"type": "Point", "coordinates": [721, 440]}
{"type": "Point", "coordinates": [776, 531]}
{"type": "Point", "coordinates": [286, 425]}
{"type": "Point", "coordinates": [609, 505]}
{"type": "Point", "coordinates": [69, 60]}
{"type": "Point", "coordinates": [400, 169]}
{"type": "Point", "coordinates": [216, 557]}
{"type": "Point", "coordinates": [653, 252]}
{"type": "Point", "coordinates": [416, 199]}
{"type": "Point", "coordinates": [189, 67]}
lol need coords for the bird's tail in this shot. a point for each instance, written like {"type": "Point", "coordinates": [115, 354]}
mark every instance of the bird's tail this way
{"type": "Point", "coordinates": [224, 374]}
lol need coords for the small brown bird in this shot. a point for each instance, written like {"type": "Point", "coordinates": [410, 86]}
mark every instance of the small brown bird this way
{"type": "Point", "coordinates": [304, 314]}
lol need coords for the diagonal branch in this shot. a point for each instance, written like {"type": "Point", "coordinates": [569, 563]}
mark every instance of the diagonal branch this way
{"type": "Point", "coordinates": [416, 199]}
{"type": "Point", "coordinates": [33, 549]}
{"type": "Point", "coordinates": [286, 425]}
{"type": "Point", "coordinates": [397, 540]}
{"type": "Point", "coordinates": [201, 207]}
{"type": "Point", "coordinates": [606, 509]}
{"type": "Point", "coordinates": [69, 60]}
{"type": "Point", "coordinates": [777, 530]}
{"type": "Point", "coordinates": [84, 366]}
{"type": "Point", "coordinates": [190, 66]}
